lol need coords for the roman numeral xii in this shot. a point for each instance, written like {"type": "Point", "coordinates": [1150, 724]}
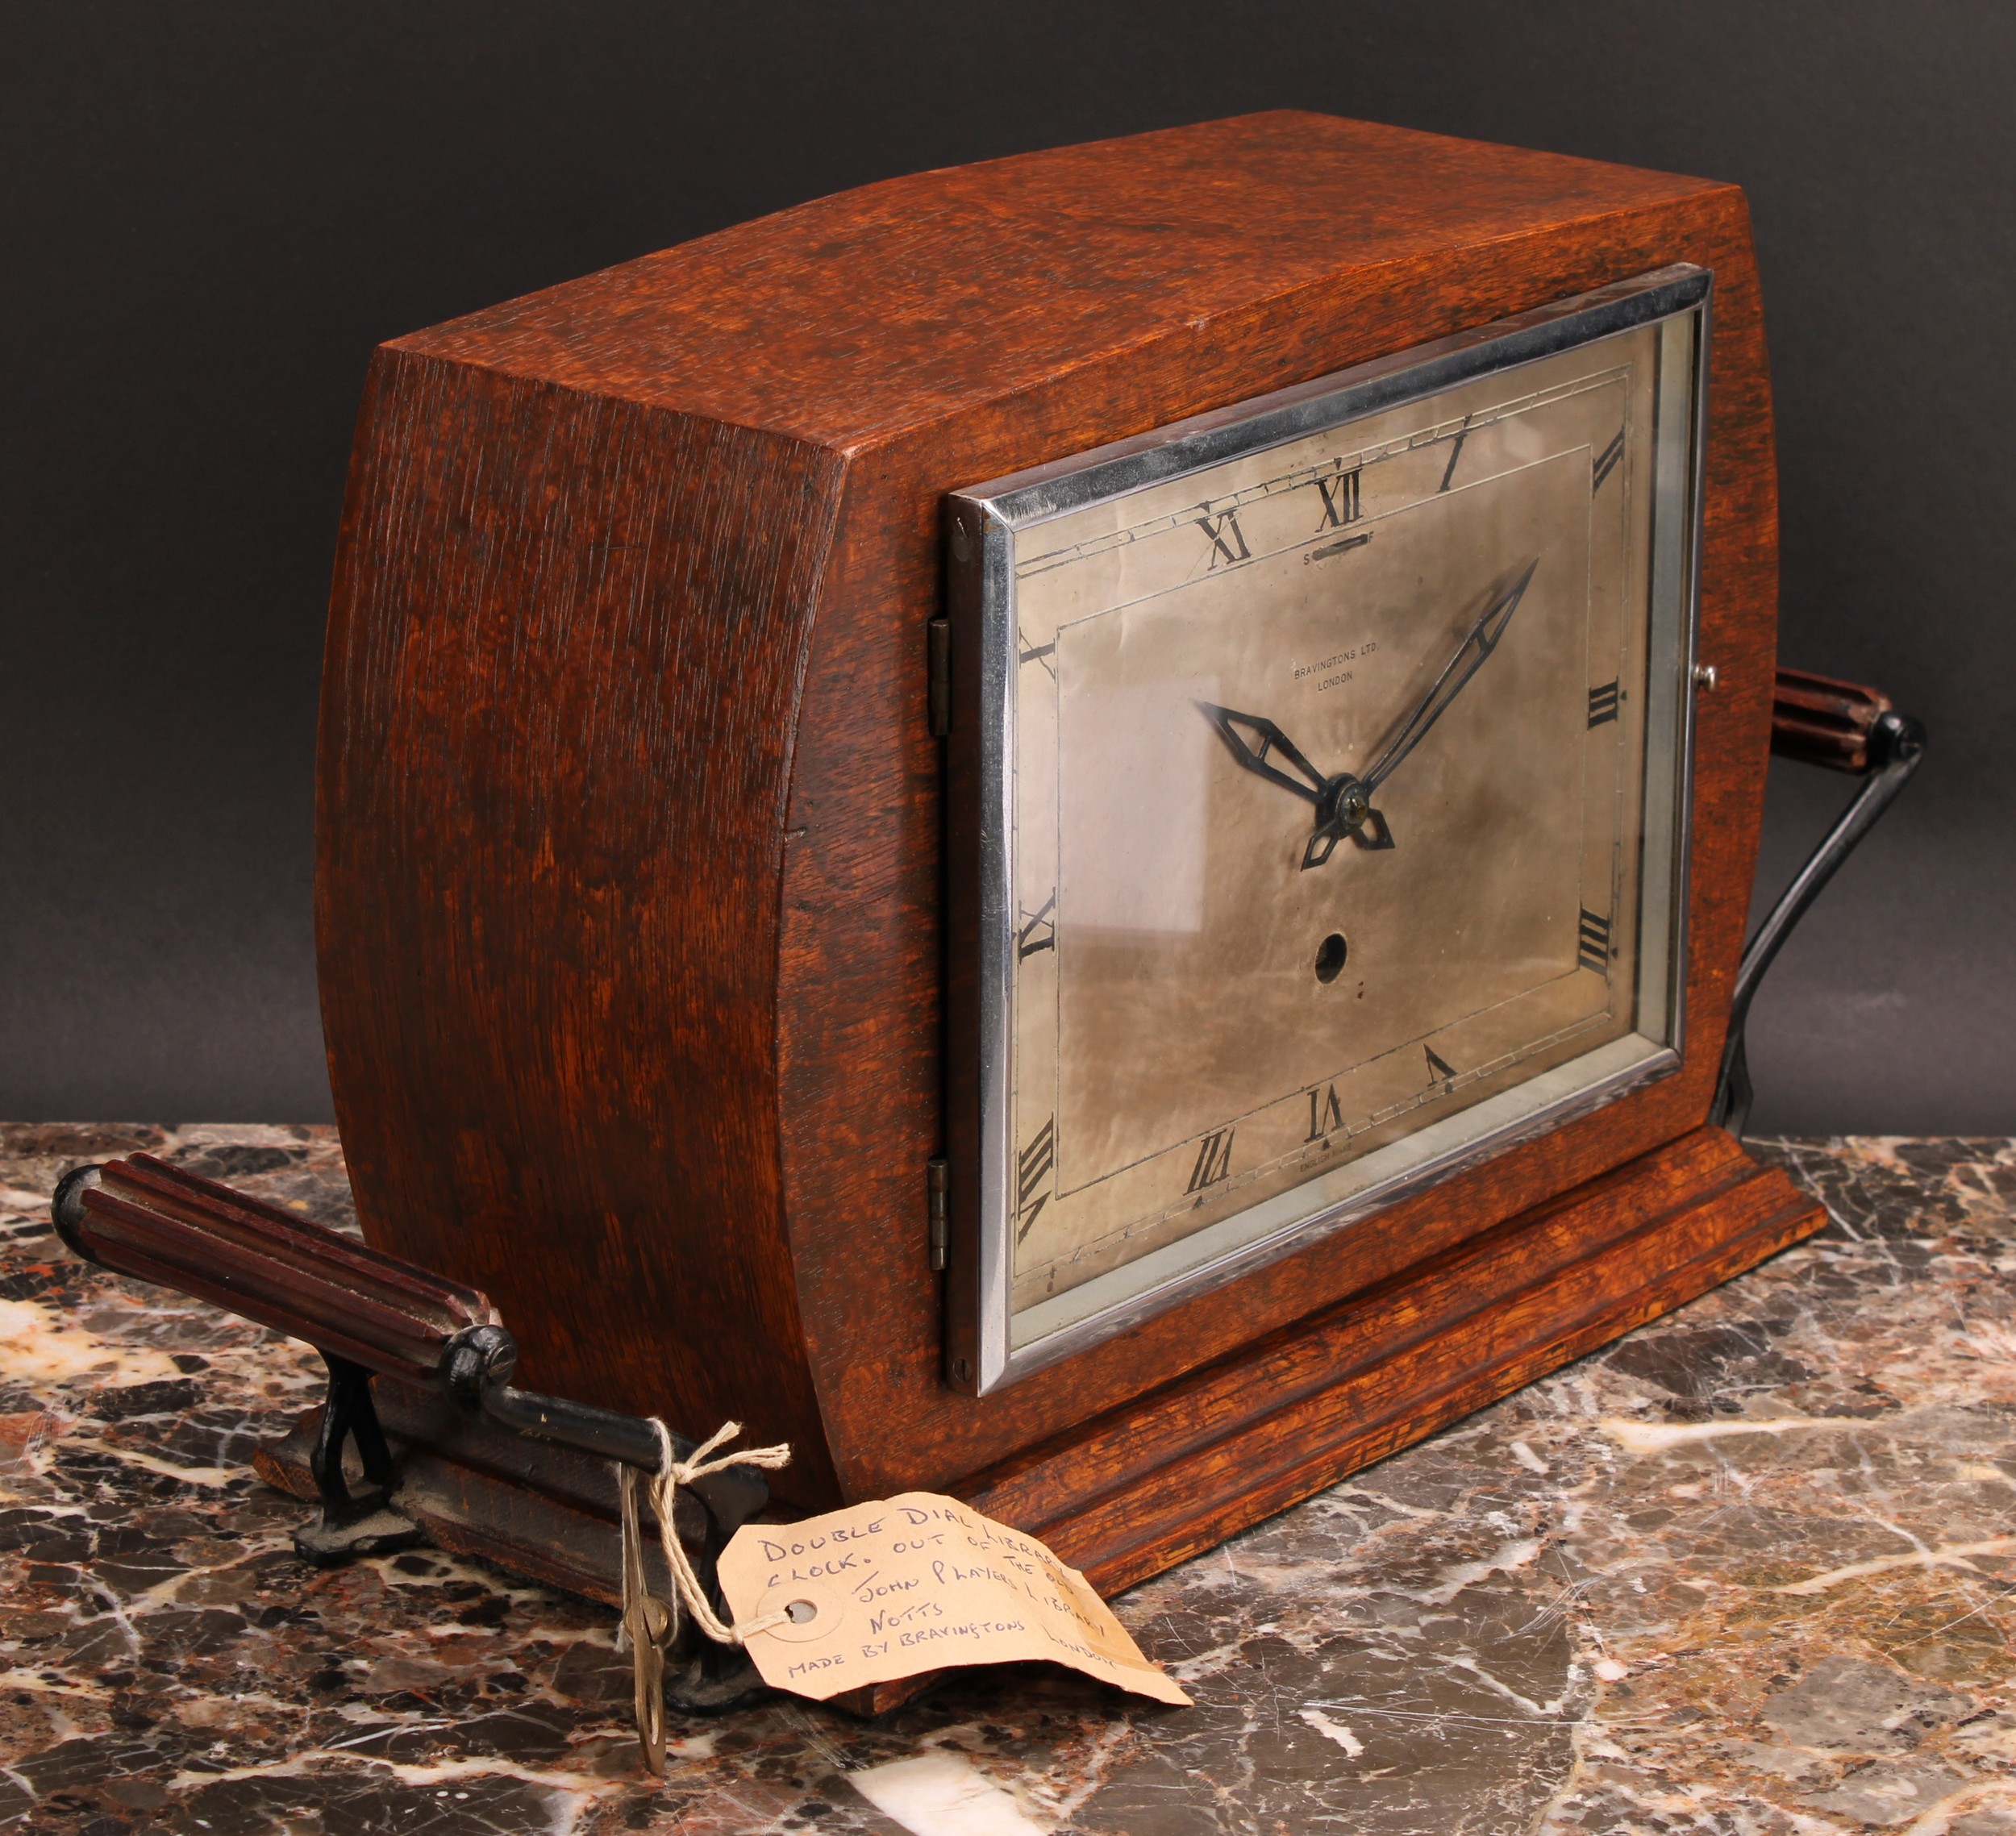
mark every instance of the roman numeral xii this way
{"type": "Point", "coordinates": [1339, 492]}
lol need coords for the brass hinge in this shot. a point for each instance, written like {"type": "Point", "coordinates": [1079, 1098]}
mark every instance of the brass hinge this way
{"type": "Point", "coordinates": [940, 631]}
{"type": "Point", "coordinates": [938, 1184]}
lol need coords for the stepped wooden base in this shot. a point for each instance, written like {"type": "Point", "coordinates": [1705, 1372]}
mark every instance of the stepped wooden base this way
{"type": "Point", "coordinates": [1165, 1475]}
{"type": "Point", "coordinates": [1141, 1488]}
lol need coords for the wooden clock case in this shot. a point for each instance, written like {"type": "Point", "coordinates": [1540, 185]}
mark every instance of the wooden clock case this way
{"type": "Point", "coordinates": [630, 894]}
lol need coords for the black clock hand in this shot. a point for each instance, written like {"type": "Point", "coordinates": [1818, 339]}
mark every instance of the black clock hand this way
{"type": "Point", "coordinates": [1228, 722]}
{"type": "Point", "coordinates": [1344, 801]}
{"type": "Point", "coordinates": [1455, 675]}
{"type": "Point", "coordinates": [1344, 805]}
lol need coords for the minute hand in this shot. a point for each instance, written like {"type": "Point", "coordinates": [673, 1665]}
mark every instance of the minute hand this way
{"type": "Point", "coordinates": [1456, 673]}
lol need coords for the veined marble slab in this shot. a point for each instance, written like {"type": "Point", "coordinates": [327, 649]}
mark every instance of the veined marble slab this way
{"type": "Point", "coordinates": [1750, 1572]}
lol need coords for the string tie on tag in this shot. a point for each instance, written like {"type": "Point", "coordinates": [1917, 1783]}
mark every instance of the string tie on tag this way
{"type": "Point", "coordinates": [650, 1625]}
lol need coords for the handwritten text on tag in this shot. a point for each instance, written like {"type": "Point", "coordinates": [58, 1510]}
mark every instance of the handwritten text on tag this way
{"type": "Point", "coordinates": [902, 1585]}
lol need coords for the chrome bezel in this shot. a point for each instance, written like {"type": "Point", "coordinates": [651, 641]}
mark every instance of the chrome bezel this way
{"type": "Point", "coordinates": [983, 523]}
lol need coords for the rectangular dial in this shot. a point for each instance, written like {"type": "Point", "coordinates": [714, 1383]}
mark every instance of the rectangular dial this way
{"type": "Point", "coordinates": [1334, 761]}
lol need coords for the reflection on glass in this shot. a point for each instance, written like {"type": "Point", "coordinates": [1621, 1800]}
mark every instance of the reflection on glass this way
{"type": "Point", "coordinates": [1333, 775]}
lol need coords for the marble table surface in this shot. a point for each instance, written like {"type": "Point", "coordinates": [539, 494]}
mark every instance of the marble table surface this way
{"type": "Point", "coordinates": [1751, 1571]}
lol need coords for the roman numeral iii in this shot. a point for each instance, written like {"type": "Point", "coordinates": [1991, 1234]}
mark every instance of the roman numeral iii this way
{"type": "Point", "coordinates": [1214, 1161]}
{"type": "Point", "coordinates": [1032, 1169]}
{"type": "Point", "coordinates": [1603, 704]}
{"type": "Point", "coordinates": [1593, 944]}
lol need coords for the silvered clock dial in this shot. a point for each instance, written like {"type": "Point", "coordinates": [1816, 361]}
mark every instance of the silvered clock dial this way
{"type": "Point", "coordinates": [1331, 774]}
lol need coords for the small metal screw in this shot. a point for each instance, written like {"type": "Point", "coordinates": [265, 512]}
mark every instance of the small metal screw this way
{"type": "Point", "coordinates": [1705, 677]}
{"type": "Point", "coordinates": [962, 1370]}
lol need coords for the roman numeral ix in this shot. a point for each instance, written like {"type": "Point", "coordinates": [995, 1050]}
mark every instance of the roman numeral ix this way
{"type": "Point", "coordinates": [1032, 1168]}
{"type": "Point", "coordinates": [1603, 704]}
{"type": "Point", "coordinates": [1227, 544]}
{"type": "Point", "coordinates": [1214, 1161]}
{"type": "Point", "coordinates": [1038, 930]}
{"type": "Point", "coordinates": [1593, 945]}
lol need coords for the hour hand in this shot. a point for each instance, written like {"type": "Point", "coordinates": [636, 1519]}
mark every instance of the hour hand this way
{"type": "Point", "coordinates": [1234, 727]}
{"type": "Point", "coordinates": [1344, 804]}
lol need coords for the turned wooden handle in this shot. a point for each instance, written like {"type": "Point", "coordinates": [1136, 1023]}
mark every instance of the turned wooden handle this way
{"type": "Point", "coordinates": [1825, 722]}
{"type": "Point", "coordinates": [144, 1217]}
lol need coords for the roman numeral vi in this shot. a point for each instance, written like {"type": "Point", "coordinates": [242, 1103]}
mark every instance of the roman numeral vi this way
{"type": "Point", "coordinates": [1331, 1116]}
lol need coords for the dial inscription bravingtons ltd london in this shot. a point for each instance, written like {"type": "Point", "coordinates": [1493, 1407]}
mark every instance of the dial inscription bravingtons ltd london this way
{"type": "Point", "coordinates": [1325, 799]}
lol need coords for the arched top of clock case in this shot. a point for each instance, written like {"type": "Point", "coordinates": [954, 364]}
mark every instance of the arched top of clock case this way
{"type": "Point", "coordinates": [630, 894]}
{"type": "Point", "coordinates": [847, 320]}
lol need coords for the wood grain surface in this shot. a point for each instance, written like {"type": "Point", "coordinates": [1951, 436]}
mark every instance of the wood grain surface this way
{"type": "Point", "coordinates": [1285, 1417]}
{"type": "Point", "coordinates": [631, 893]}
{"type": "Point", "coordinates": [149, 1218]}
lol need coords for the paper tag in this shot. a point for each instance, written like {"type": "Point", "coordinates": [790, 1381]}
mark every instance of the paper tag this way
{"type": "Point", "coordinates": [907, 1584]}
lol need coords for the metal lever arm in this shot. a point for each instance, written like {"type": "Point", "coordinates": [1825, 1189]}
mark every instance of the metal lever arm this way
{"type": "Point", "coordinates": [358, 1306]}
{"type": "Point", "coordinates": [1841, 726]}
{"type": "Point", "coordinates": [478, 1371]}
{"type": "Point", "coordinates": [368, 1312]}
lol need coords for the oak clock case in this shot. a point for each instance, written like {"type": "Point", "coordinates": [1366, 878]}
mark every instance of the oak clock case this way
{"type": "Point", "coordinates": [635, 916]}
{"type": "Point", "coordinates": [653, 934]}
{"type": "Point", "coordinates": [1324, 791]}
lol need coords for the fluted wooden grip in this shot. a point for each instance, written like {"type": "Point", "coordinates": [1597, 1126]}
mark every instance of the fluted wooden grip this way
{"type": "Point", "coordinates": [1825, 722]}
{"type": "Point", "coordinates": [144, 1217]}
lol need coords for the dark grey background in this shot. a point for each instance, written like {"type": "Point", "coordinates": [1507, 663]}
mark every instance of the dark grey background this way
{"type": "Point", "coordinates": [212, 211]}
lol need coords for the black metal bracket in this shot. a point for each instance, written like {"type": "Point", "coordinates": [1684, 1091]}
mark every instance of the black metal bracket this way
{"type": "Point", "coordinates": [702, 1677]}
{"type": "Point", "coordinates": [369, 1312]}
{"type": "Point", "coordinates": [705, 1678]}
{"type": "Point", "coordinates": [1896, 744]}
{"type": "Point", "coordinates": [711, 1678]}
{"type": "Point", "coordinates": [346, 1526]}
